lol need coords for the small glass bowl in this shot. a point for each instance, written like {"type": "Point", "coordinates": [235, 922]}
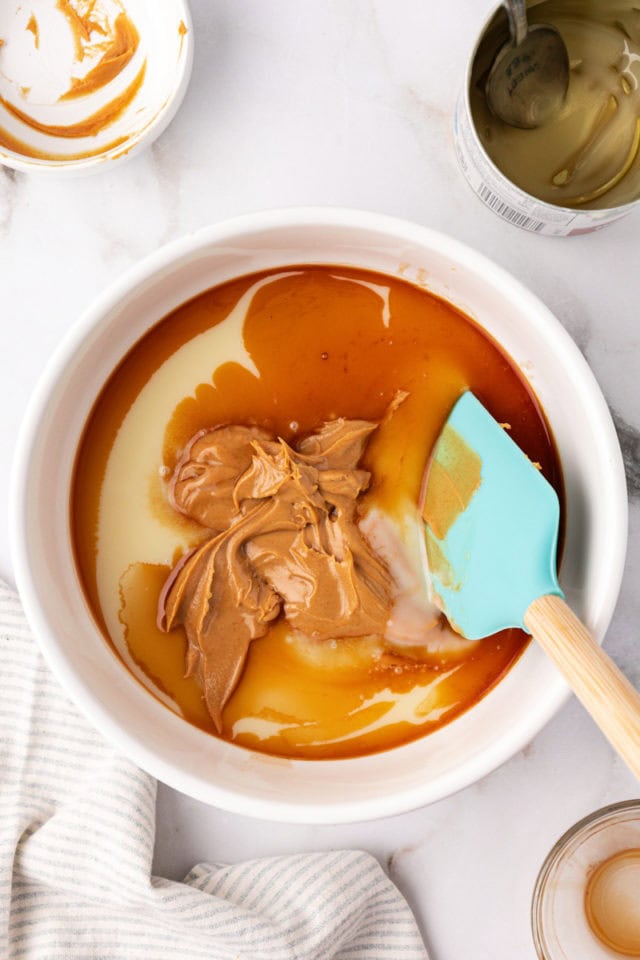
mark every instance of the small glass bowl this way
{"type": "Point", "coordinates": [558, 918]}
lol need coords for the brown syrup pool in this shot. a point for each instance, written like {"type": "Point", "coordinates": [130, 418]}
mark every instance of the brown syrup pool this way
{"type": "Point", "coordinates": [287, 350]}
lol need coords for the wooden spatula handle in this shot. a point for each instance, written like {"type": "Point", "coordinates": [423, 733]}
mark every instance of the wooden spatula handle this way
{"type": "Point", "coordinates": [594, 678]}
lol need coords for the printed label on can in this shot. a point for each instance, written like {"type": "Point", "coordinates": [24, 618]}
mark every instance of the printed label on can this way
{"type": "Point", "coordinates": [508, 201]}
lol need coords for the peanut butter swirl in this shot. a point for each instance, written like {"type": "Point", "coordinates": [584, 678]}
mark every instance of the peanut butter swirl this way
{"type": "Point", "coordinates": [284, 539]}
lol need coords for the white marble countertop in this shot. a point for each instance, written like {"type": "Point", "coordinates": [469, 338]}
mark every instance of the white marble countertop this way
{"type": "Point", "coordinates": [333, 103]}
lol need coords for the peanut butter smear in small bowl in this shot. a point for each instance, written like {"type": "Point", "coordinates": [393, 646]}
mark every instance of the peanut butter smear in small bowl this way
{"type": "Point", "coordinates": [84, 81]}
{"type": "Point", "coordinates": [246, 510]}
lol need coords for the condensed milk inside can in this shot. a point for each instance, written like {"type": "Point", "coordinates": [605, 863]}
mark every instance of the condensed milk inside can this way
{"type": "Point", "coordinates": [581, 169]}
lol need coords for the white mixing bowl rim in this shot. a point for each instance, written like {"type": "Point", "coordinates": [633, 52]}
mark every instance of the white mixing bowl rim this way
{"type": "Point", "coordinates": [339, 811]}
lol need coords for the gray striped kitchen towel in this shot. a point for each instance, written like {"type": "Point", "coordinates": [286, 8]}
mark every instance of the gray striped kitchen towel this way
{"type": "Point", "coordinates": [77, 826]}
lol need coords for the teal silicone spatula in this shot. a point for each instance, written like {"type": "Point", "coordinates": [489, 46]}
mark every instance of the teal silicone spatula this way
{"type": "Point", "coordinates": [492, 531]}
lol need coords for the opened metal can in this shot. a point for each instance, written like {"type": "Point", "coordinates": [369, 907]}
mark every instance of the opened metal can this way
{"type": "Point", "coordinates": [581, 170]}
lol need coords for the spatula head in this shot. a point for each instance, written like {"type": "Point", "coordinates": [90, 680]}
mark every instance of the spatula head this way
{"type": "Point", "coordinates": [491, 524]}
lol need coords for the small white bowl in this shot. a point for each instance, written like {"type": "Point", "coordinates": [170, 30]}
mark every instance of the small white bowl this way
{"type": "Point", "coordinates": [41, 54]}
{"type": "Point", "coordinates": [159, 741]}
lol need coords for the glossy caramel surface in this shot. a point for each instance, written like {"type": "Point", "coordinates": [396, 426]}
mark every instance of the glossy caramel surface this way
{"type": "Point", "coordinates": [287, 350]}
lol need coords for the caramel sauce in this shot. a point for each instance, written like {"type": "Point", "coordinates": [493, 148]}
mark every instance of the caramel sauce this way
{"type": "Point", "coordinates": [183, 30]}
{"type": "Point", "coordinates": [32, 27]}
{"type": "Point", "coordinates": [163, 662]}
{"type": "Point", "coordinates": [16, 145]}
{"type": "Point", "coordinates": [320, 342]}
{"type": "Point", "coordinates": [118, 43]}
{"type": "Point", "coordinates": [82, 25]}
{"type": "Point", "coordinates": [454, 477]}
{"type": "Point", "coordinates": [612, 902]}
{"type": "Point", "coordinates": [119, 51]}
{"type": "Point", "coordinates": [89, 126]}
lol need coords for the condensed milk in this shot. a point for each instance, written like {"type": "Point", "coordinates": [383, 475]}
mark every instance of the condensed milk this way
{"type": "Point", "coordinates": [581, 169]}
{"type": "Point", "coordinates": [209, 437]}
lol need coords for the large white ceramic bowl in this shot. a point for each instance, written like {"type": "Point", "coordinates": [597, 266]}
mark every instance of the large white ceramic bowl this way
{"type": "Point", "coordinates": [138, 725]}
